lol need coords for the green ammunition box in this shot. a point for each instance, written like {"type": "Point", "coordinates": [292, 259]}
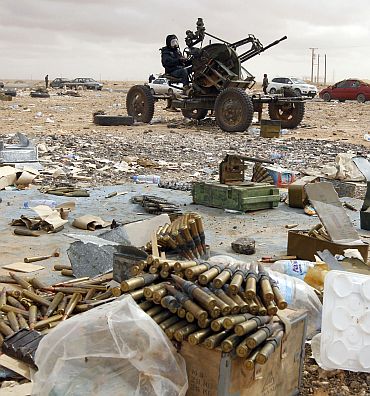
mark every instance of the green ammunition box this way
{"type": "Point", "coordinates": [270, 128]}
{"type": "Point", "coordinates": [236, 197]}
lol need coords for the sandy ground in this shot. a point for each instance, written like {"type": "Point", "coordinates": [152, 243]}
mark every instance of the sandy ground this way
{"type": "Point", "coordinates": [181, 151]}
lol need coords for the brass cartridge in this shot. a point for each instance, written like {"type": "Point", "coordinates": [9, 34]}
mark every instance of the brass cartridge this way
{"type": "Point", "coordinates": [12, 318]}
{"type": "Point", "coordinates": [278, 297]}
{"type": "Point", "coordinates": [269, 347]}
{"type": "Point", "coordinates": [183, 265]}
{"type": "Point", "coordinates": [22, 282]}
{"type": "Point", "coordinates": [62, 305]}
{"type": "Point", "coordinates": [271, 308]}
{"type": "Point", "coordinates": [190, 317]}
{"type": "Point", "coordinates": [251, 282]}
{"type": "Point", "coordinates": [230, 343]}
{"type": "Point", "coordinates": [181, 334]}
{"type": "Point", "coordinates": [250, 325]}
{"type": "Point", "coordinates": [137, 294]}
{"type": "Point", "coordinates": [5, 329]}
{"type": "Point", "coordinates": [37, 283]}
{"type": "Point", "coordinates": [43, 323]}
{"type": "Point", "coordinates": [59, 267]}
{"type": "Point", "coordinates": [138, 282]}
{"type": "Point", "coordinates": [162, 316]}
{"type": "Point", "coordinates": [230, 322]}
{"type": "Point", "coordinates": [253, 307]}
{"type": "Point", "coordinates": [215, 340]}
{"type": "Point", "coordinates": [267, 293]}
{"type": "Point", "coordinates": [169, 322]}
{"type": "Point", "coordinates": [261, 308]}
{"type": "Point", "coordinates": [15, 303]}
{"type": "Point", "coordinates": [3, 297]}
{"type": "Point", "coordinates": [234, 307]}
{"type": "Point", "coordinates": [159, 294]}
{"type": "Point", "coordinates": [199, 336]}
{"type": "Point", "coordinates": [236, 282]}
{"type": "Point", "coordinates": [262, 334]}
{"type": "Point", "coordinates": [54, 304]}
{"type": "Point", "coordinates": [22, 322]}
{"type": "Point", "coordinates": [217, 324]}
{"type": "Point", "coordinates": [154, 310]}
{"type": "Point", "coordinates": [181, 313]}
{"type": "Point", "coordinates": [206, 277]}
{"type": "Point", "coordinates": [145, 305]}
{"type": "Point", "coordinates": [9, 308]}
{"type": "Point", "coordinates": [215, 312]}
{"type": "Point", "coordinates": [222, 278]}
{"type": "Point", "coordinates": [225, 309]}
{"type": "Point", "coordinates": [90, 294]}
{"type": "Point", "coordinates": [32, 316]}
{"type": "Point", "coordinates": [170, 331]}
{"type": "Point", "coordinates": [75, 299]}
{"type": "Point", "coordinates": [67, 272]}
{"type": "Point", "coordinates": [250, 361]}
{"type": "Point", "coordinates": [242, 350]}
{"type": "Point", "coordinates": [195, 271]}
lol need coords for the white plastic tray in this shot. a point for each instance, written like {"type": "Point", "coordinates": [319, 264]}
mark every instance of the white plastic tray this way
{"type": "Point", "coordinates": [345, 330]}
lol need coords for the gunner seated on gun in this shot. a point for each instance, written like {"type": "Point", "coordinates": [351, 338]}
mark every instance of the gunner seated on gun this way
{"type": "Point", "coordinates": [174, 63]}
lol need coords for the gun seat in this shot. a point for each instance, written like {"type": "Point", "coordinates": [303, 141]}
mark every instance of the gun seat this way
{"type": "Point", "coordinates": [170, 78]}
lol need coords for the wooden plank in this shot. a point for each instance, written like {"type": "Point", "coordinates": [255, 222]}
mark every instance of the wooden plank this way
{"type": "Point", "coordinates": [23, 267]}
{"type": "Point", "coordinates": [155, 250]}
{"type": "Point", "coordinates": [15, 365]}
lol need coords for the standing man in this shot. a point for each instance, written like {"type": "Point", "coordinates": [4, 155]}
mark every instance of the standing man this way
{"type": "Point", "coordinates": [265, 83]}
{"type": "Point", "coordinates": [151, 78]}
{"type": "Point", "coordinates": [47, 81]}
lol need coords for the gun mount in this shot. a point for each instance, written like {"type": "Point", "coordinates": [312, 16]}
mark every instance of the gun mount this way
{"type": "Point", "coordinates": [218, 83]}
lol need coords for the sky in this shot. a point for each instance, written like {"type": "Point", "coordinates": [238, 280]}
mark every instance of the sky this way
{"type": "Point", "coordinates": [120, 39]}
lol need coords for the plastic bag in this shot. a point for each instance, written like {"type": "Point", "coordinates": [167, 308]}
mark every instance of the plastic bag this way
{"type": "Point", "coordinates": [113, 349]}
{"type": "Point", "coordinates": [298, 294]}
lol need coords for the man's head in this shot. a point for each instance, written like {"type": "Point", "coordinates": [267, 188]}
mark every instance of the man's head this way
{"type": "Point", "coordinates": [172, 41]}
{"type": "Point", "coordinates": [265, 75]}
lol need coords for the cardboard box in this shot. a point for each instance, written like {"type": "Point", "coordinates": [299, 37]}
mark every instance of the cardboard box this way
{"type": "Point", "coordinates": [282, 177]}
{"type": "Point", "coordinates": [214, 373]}
{"type": "Point", "coordinates": [296, 191]}
{"type": "Point", "coordinates": [305, 247]}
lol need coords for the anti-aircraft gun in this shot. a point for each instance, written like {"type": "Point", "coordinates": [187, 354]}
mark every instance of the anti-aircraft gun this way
{"type": "Point", "coordinates": [219, 83]}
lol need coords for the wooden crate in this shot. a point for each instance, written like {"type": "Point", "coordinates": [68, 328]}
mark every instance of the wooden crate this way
{"type": "Point", "coordinates": [236, 197]}
{"type": "Point", "coordinates": [214, 373]}
{"type": "Point", "coordinates": [270, 128]}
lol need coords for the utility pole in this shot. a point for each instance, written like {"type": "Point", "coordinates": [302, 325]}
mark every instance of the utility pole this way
{"type": "Point", "coordinates": [318, 69]}
{"type": "Point", "coordinates": [325, 69]}
{"type": "Point", "coordinates": [312, 61]}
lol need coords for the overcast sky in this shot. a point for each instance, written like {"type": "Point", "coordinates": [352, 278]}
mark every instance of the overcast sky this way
{"type": "Point", "coordinates": [120, 39]}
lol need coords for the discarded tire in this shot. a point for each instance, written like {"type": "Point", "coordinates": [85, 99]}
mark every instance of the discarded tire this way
{"type": "Point", "coordinates": [140, 103]}
{"type": "Point", "coordinates": [107, 120]}
{"type": "Point", "coordinates": [233, 110]}
{"type": "Point", "coordinates": [290, 113]}
{"type": "Point", "coordinates": [39, 95]}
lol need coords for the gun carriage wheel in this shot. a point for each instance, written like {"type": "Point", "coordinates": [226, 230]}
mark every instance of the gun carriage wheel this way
{"type": "Point", "coordinates": [289, 113]}
{"type": "Point", "coordinates": [140, 103]}
{"type": "Point", "coordinates": [233, 110]}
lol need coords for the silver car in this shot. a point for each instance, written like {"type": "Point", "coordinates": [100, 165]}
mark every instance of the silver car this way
{"type": "Point", "coordinates": [160, 86]}
{"type": "Point", "coordinates": [299, 86]}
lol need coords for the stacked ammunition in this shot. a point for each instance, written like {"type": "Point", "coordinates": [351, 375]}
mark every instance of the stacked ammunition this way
{"type": "Point", "coordinates": [156, 205]}
{"type": "Point", "coordinates": [261, 174]}
{"type": "Point", "coordinates": [184, 236]}
{"type": "Point", "coordinates": [231, 308]}
{"type": "Point", "coordinates": [35, 305]}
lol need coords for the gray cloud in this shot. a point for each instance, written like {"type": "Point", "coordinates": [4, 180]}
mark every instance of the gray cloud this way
{"type": "Point", "coordinates": [120, 39]}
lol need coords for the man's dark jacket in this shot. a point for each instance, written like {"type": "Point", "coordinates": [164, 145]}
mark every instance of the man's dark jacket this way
{"type": "Point", "coordinates": [171, 57]}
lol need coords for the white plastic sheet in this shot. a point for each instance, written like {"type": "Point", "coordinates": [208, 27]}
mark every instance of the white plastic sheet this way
{"type": "Point", "coordinates": [115, 349]}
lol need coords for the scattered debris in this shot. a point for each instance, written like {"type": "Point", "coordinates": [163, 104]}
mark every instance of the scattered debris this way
{"type": "Point", "coordinates": [155, 205]}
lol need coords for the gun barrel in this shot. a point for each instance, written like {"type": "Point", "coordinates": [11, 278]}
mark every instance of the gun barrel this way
{"type": "Point", "coordinates": [256, 51]}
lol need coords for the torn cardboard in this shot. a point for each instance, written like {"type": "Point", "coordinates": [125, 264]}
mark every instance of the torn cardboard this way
{"type": "Point", "coordinates": [364, 166]}
{"type": "Point", "coordinates": [89, 222]}
{"type": "Point", "coordinates": [23, 267]}
{"type": "Point", "coordinates": [332, 215]}
{"type": "Point", "coordinates": [296, 191]}
{"type": "Point", "coordinates": [336, 222]}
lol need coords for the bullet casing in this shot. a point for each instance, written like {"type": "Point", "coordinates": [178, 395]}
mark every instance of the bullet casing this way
{"type": "Point", "coordinates": [231, 321]}
{"type": "Point", "coordinates": [15, 303]}
{"type": "Point", "coordinates": [162, 316]}
{"type": "Point", "coordinates": [181, 334]}
{"type": "Point", "coordinates": [22, 322]}
{"type": "Point", "coordinates": [250, 361]}
{"type": "Point", "coordinates": [5, 329]}
{"type": "Point", "coordinates": [242, 350]}
{"type": "Point", "coordinates": [222, 278]}
{"type": "Point", "coordinates": [199, 336]}
{"type": "Point", "coordinates": [154, 310]}
{"type": "Point", "coordinates": [54, 304]}
{"type": "Point", "coordinates": [169, 322]}
{"type": "Point", "coordinates": [208, 275]}
{"type": "Point", "coordinates": [215, 340]}
{"type": "Point", "coordinates": [170, 331]}
{"type": "Point", "coordinates": [230, 343]}
{"type": "Point", "coordinates": [236, 282]}
{"type": "Point", "coordinates": [12, 318]}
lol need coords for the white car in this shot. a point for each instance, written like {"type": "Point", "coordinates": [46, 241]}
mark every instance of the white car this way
{"type": "Point", "coordinates": [300, 87]}
{"type": "Point", "coordinates": [160, 86]}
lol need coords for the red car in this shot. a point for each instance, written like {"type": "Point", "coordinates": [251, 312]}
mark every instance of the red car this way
{"type": "Point", "coordinates": [347, 90]}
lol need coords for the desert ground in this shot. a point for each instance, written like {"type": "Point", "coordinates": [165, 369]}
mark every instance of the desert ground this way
{"type": "Point", "coordinates": [72, 149]}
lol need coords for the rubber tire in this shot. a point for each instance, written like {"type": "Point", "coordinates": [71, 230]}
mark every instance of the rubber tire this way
{"type": "Point", "coordinates": [272, 91]}
{"type": "Point", "coordinates": [326, 97]}
{"type": "Point", "coordinates": [341, 100]}
{"type": "Point", "coordinates": [148, 103]}
{"type": "Point", "coordinates": [107, 120]}
{"type": "Point", "coordinates": [199, 115]}
{"type": "Point", "coordinates": [248, 110]}
{"type": "Point", "coordinates": [298, 92]}
{"type": "Point", "coordinates": [39, 95]}
{"type": "Point", "coordinates": [361, 98]}
{"type": "Point", "coordinates": [297, 115]}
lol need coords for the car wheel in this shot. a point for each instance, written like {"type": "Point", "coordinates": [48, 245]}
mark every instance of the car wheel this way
{"type": "Point", "coordinates": [298, 92]}
{"type": "Point", "coordinates": [326, 97]}
{"type": "Point", "coordinates": [361, 98]}
{"type": "Point", "coordinates": [341, 100]}
{"type": "Point", "coordinates": [272, 91]}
